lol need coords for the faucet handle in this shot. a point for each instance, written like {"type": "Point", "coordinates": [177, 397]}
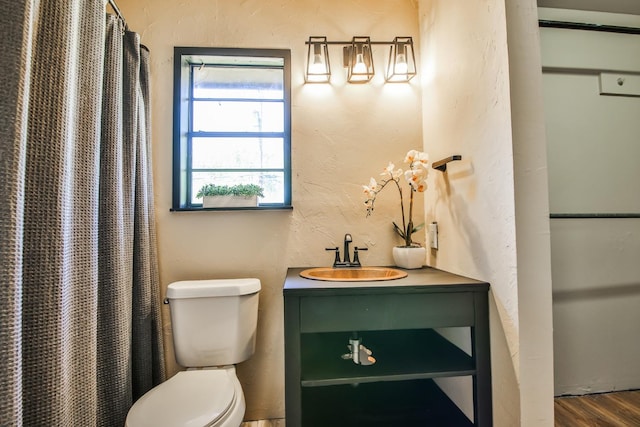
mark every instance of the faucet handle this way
{"type": "Point", "coordinates": [337, 250]}
{"type": "Point", "coordinates": [356, 259]}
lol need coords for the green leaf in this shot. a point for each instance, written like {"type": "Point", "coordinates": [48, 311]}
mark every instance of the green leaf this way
{"type": "Point", "coordinates": [235, 190]}
{"type": "Point", "coordinates": [399, 230]}
{"type": "Point", "coordinates": [417, 228]}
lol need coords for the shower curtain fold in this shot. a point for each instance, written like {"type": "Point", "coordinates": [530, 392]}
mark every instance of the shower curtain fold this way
{"type": "Point", "coordinates": [80, 332]}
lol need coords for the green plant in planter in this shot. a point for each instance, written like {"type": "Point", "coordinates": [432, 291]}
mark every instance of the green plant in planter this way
{"type": "Point", "coordinates": [234, 190]}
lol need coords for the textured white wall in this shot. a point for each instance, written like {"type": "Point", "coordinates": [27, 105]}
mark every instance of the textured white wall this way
{"type": "Point", "coordinates": [466, 111]}
{"type": "Point", "coordinates": [532, 216]}
{"type": "Point", "coordinates": [342, 135]}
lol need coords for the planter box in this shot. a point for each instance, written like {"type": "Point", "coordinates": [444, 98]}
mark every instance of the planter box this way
{"type": "Point", "coordinates": [230, 201]}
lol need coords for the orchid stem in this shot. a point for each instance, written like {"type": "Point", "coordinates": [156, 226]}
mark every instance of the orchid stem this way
{"type": "Point", "coordinates": [408, 239]}
{"type": "Point", "coordinates": [404, 225]}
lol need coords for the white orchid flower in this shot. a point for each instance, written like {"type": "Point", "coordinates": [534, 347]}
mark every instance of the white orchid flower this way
{"type": "Point", "coordinates": [370, 190]}
{"type": "Point", "coordinates": [415, 176]}
{"type": "Point", "coordinates": [410, 157]}
{"type": "Point", "coordinates": [422, 158]}
{"type": "Point", "coordinates": [373, 184]}
{"type": "Point", "coordinates": [414, 156]}
{"type": "Point", "coordinates": [420, 188]}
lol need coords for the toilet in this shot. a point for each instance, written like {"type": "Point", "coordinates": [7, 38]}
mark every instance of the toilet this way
{"type": "Point", "coordinates": [214, 328]}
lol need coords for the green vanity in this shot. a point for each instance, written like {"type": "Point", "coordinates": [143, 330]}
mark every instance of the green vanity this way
{"type": "Point", "coordinates": [396, 321]}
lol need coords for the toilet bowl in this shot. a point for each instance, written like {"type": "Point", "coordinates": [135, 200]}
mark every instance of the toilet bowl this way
{"type": "Point", "coordinates": [214, 327]}
{"type": "Point", "coordinates": [193, 398]}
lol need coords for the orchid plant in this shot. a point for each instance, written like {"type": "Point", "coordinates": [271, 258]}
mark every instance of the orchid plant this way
{"type": "Point", "coordinates": [416, 178]}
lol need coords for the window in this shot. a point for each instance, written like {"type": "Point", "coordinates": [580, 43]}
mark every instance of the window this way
{"type": "Point", "coordinates": [231, 123]}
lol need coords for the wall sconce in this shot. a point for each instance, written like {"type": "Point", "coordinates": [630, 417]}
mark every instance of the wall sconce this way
{"type": "Point", "coordinates": [358, 59]}
{"type": "Point", "coordinates": [318, 67]}
{"type": "Point", "coordinates": [402, 60]}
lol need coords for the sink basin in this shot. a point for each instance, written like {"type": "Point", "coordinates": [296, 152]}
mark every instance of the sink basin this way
{"type": "Point", "coordinates": [358, 274]}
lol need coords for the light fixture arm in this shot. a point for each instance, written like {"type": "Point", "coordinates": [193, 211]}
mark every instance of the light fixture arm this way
{"type": "Point", "coordinates": [348, 43]}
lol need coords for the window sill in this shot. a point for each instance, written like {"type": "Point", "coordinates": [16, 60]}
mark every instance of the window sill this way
{"type": "Point", "coordinates": [256, 208]}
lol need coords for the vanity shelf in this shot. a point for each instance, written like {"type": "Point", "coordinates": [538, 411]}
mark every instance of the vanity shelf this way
{"type": "Point", "coordinates": [400, 355]}
{"type": "Point", "coordinates": [399, 321]}
{"type": "Point", "coordinates": [407, 403]}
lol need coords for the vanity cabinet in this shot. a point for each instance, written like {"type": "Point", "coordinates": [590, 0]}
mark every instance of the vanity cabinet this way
{"type": "Point", "coordinates": [400, 322]}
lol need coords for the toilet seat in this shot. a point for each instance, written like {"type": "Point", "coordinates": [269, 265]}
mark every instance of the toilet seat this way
{"type": "Point", "coordinates": [195, 398]}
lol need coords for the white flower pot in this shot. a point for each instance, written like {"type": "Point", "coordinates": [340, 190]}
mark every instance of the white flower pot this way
{"type": "Point", "coordinates": [229, 201]}
{"type": "Point", "coordinates": [409, 257]}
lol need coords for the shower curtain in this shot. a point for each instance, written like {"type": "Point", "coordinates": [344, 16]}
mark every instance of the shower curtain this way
{"type": "Point", "coordinates": [80, 328]}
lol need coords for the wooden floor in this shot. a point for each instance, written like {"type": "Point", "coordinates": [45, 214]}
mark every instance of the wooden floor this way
{"type": "Point", "coordinates": [619, 409]}
{"type": "Point", "coordinates": [264, 423]}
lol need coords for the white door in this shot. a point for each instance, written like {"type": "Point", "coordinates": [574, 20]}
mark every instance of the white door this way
{"type": "Point", "coordinates": [592, 110]}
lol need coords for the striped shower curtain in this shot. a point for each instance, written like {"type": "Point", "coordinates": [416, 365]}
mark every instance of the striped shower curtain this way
{"type": "Point", "coordinates": [80, 329]}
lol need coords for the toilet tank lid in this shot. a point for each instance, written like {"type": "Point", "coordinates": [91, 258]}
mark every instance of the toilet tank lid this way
{"type": "Point", "coordinates": [212, 288]}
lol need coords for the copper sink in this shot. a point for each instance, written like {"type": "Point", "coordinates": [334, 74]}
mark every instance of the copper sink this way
{"type": "Point", "coordinates": [358, 274]}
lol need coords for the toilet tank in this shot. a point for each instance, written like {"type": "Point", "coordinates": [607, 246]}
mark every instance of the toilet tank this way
{"type": "Point", "coordinates": [213, 321]}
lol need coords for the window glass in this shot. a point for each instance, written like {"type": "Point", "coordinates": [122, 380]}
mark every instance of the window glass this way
{"type": "Point", "coordinates": [271, 182]}
{"type": "Point", "coordinates": [235, 82]}
{"type": "Point", "coordinates": [237, 153]}
{"type": "Point", "coordinates": [234, 116]}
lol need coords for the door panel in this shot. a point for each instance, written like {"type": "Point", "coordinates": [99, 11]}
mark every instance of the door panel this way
{"type": "Point", "coordinates": [593, 146]}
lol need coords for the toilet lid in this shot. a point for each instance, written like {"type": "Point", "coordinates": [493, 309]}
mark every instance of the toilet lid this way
{"type": "Point", "coordinates": [188, 399]}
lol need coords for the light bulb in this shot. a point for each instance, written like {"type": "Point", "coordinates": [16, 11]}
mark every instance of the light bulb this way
{"type": "Point", "coordinates": [317, 66]}
{"type": "Point", "coordinates": [360, 67]}
{"type": "Point", "coordinates": [401, 66]}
